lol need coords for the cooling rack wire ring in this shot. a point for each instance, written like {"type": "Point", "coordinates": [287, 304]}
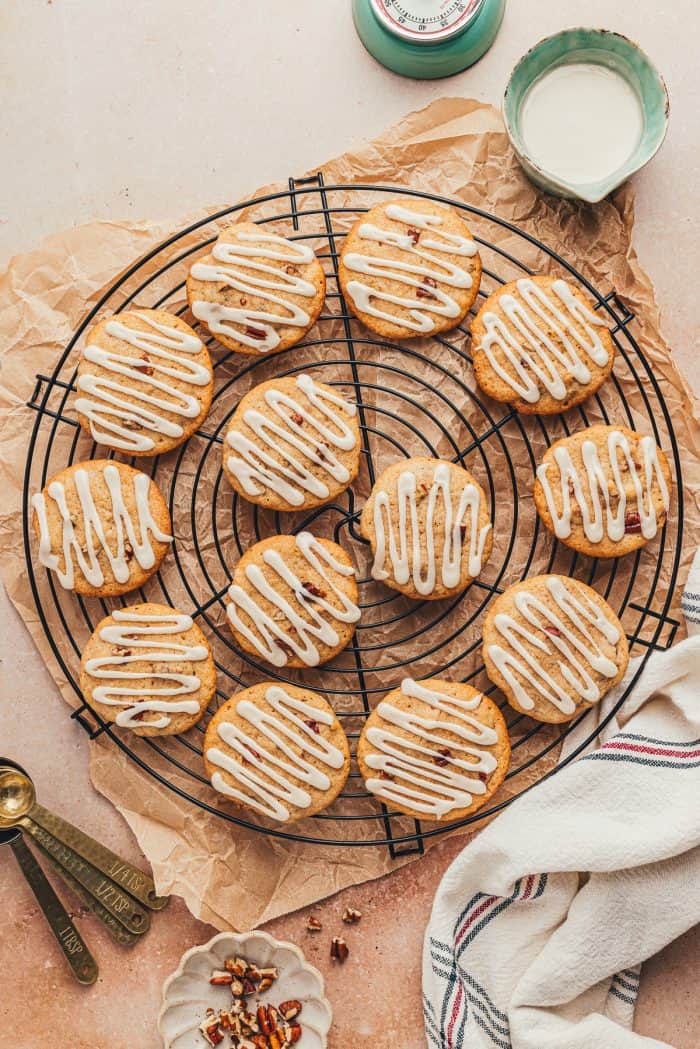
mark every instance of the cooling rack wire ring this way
{"type": "Point", "coordinates": [449, 418]}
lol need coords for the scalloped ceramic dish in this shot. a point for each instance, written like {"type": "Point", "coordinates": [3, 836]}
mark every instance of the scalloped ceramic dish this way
{"type": "Point", "coordinates": [187, 994]}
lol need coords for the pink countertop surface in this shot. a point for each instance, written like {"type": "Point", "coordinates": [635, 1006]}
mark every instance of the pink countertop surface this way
{"type": "Point", "coordinates": [123, 86]}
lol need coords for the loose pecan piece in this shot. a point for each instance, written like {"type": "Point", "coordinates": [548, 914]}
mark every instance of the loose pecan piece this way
{"type": "Point", "coordinates": [339, 949]}
{"type": "Point", "coordinates": [220, 978]}
{"type": "Point", "coordinates": [290, 1009]}
{"type": "Point", "coordinates": [211, 1031]}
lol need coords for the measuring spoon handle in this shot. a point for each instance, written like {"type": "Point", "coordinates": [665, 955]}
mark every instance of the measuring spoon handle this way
{"type": "Point", "coordinates": [116, 930]}
{"type": "Point", "coordinates": [70, 941]}
{"type": "Point", "coordinates": [131, 879]}
{"type": "Point", "coordinates": [112, 897]}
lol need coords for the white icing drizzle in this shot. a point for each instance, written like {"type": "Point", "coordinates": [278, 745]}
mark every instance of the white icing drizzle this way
{"type": "Point", "coordinates": [528, 349]}
{"type": "Point", "coordinates": [268, 779]}
{"type": "Point", "coordinates": [132, 630]}
{"type": "Point", "coordinates": [405, 556]}
{"type": "Point", "coordinates": [523, 670]}
{"type": "Point", "coordinates": [306, 620]}
{"type": "Point", "coordinates": [411, 273]}
{"type": "Point", "coordinates": [587, 492]}
{"type": "Point", "coordinates": [237, 322]}
{"type": "Point", "coordinates": [416, 780]}
{"type": "Point", "coordinates": [114, 408]}
{"type": "Point", "coordinates": [136, 533]}
{"type": "Point", "coordinates": [265, 463]}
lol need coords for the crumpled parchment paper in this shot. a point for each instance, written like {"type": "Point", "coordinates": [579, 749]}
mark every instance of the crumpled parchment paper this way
{"type": "Point", "coordinates": [234, 877]}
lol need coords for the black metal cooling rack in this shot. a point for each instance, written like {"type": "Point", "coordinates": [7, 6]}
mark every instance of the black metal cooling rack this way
{"type": "Point", "coordinates": [414, 398]}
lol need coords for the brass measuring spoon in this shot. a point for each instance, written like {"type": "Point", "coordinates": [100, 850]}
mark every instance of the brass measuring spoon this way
{"type": "Point", "coordinates": [69, 939]}
{"type": "Point", "coordinates": [95, 868]}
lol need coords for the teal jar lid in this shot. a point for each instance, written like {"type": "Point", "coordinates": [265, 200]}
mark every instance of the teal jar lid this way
{"type": "Point", "coordinates": [427, 39]}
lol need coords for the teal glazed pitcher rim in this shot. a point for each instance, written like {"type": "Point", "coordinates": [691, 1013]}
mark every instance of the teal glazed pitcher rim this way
{"type": "Point", "coordinates": [602, 47]}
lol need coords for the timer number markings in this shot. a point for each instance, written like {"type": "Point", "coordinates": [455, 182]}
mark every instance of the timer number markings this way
{"type": "Point", "coordinates": [422, 21]}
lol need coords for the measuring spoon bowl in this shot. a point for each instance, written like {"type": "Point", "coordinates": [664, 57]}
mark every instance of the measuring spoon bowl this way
{"type": "Point", "coordinates": [17, 794]}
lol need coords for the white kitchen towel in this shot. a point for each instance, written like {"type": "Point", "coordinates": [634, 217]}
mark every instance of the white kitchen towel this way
{"type": "Point", "coordinates": [522, 951]}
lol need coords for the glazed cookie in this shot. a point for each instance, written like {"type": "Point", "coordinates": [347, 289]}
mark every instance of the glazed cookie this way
{"type": "Point", "coordinates": [148, 668]}
{"type": "Point", "coordinates": [103, 528]}
{"type": "Point", "coordinates": [408, 268]}
{"type": "Point", "coordinates": [434, 749]}
{"type": "Point", "coordinates": [429, 528]}
{"type": "Point", "coordinates": [538, 345]}
{"type": "Point", "coordinates": [257, 292]}
{"type": "Point", "coordinates": [277, 749]}
{"type": "Point", "coordinates": [604, 491]}
{"type": "Point", "coordinates": [292, 444]}
{"type": "Point", "coordinates": [293, 600]}
{"type": "Point", "coordinates": [145, 382]}
{"type": "Point", "coordinates": [554, 647]}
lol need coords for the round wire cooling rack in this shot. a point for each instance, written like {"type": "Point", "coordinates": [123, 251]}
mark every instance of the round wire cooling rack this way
{"type": "Point", "coordinates": [413, 398]}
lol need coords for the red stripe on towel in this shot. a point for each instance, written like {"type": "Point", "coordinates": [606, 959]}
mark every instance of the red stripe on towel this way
{"type": "Point", "coordinates": [663, 752]}
{"type": "Point", "coordinates": [528, 886]}
{"type": "Point", "coordinates": [476, 913]}
{"type": "Point", "coordinates": [455, 1013]}
{"type": "Point", "coordinates": [485, 904]}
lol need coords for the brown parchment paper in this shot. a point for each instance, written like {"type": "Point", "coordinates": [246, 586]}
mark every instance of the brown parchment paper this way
{"type": "Point", "coordinates": [232, 877]}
